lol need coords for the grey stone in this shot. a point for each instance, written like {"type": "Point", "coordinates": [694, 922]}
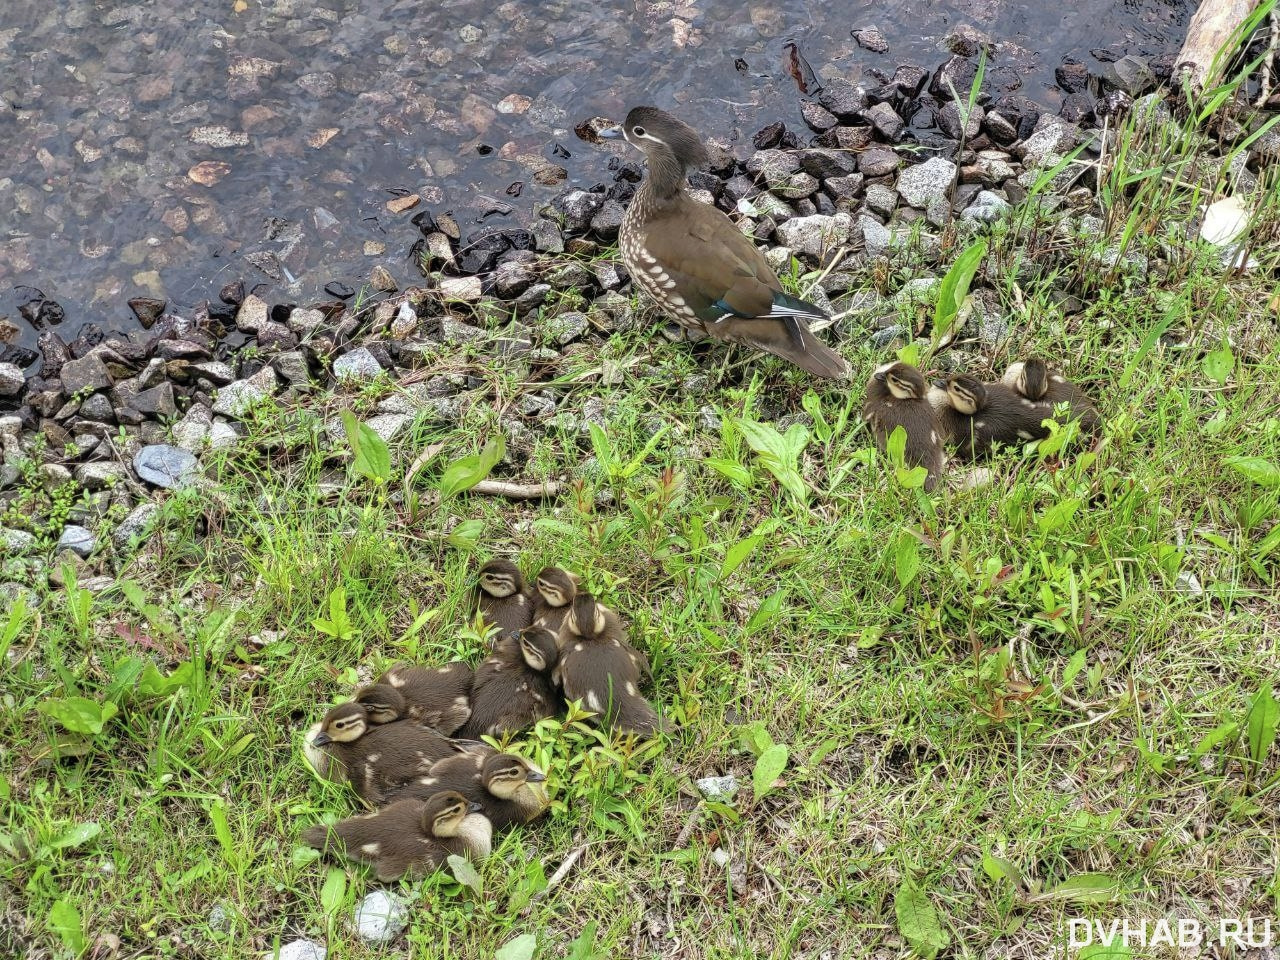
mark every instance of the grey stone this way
{"type": "Point", "coordinates": [99, 476]}
{"type": "Point", "coordinates": [608, 221]}
{"type": "Point", "coordinates": [537, 407]}
{"type": "Point", "coordinates": [1131, 74]}
{"type": "Point", "coordinates": [387, 425]}
{"type": "Point", "coordinates": [815, 235]}
{"type": "Point", "coordinates": [949, 121]}
{"type": "Point", "coordinates": [994, 166]}
{"type": "Point", "coordinates": [357, 364]}
{"type": "Point", "coordinates": [870, 38]}
{"type": "Point", "coordinates": [78, 540]}
{"type": "Point", "coordinates": [607, 274]}
{"type": "Point", "coordinates": [917, 292]}
{"type": "Point", "coordinates": [152, 375]}
{"type": "Point", "coordinates": [253, 313]}
{"type": "Point", "coordinates": [774, 167]}
{"type": "Point", "coordinates": [878, 162]}
{"type": "Point", "coordinates": [707, 420]}
{"type": "Point", "coordinates": [192, 430]}
{"type": "Point", "coordinates": [305, 320]}
{"type": "Point", "coordinates": [817, 117]}
{"type": "Point", "coordinates": [876, 236]}
{"type": "Point", "coordinates": [276, 336]}
{"type": "Point", "coordinates": [796, 186]}
{"type": "Point", "coordinates": [926, 181]}
{"type": "Point", "coordinates": [238, 398]}
{"type": "Point", "coordinates": [222, 435]}
{"type": "Point", "coordinates": [986, 206]}
{"type": "Point", "coordinates": [465, 289]}
{"type": "Point", "coordinates": [381, 279]}
{"type": "Point", "coordinates": [577, 208]}
{"type": "Point", "coordinates": [718, 789]}
{"type": "Point", "coordinates": [215, 371]}
{"type": "Point", "coordinates": [405, 323]}
{"type": "Point", "coordinates": [1049, 143]}
{"type": "Point", "coordinates": [54, 475]}
{"type": "Point", "coordinates": [88, 374]}
{"type": "Point", "coordinates": [16, 542]}
{"type": "Point", "coordinates": [843, 188]}
{"type": "Point", "coordinates": [885, 119]}
{"type": "Point", "coordinates": [512, 278]}
{"type": "Point", "coordinates": [532, 298]}
{"type": "Point", "coordinates": [565, 328]}
{"type": "Point", "coordinates": [299, 950]}
{"type": "Point", "coordinates": [938, 213]}
{"type": "Point", "coordinates": [135, 524]}
{"type": "Point", "coordinates": [156, 402]}
{"type": "Point", "coordinates": [164, 465]}
{"type": "Point", "coordinates": [11, 380]}
{"type": "Point", "coordinates": [882, 338]}
{"type": "Point", "coordinates": [454, 331]}
{"type": "Point", "coordinates": [546, 236]}
{"type": "Point", "coordinates": [843, 99]}
{"type": "Point", "coordinates": [292, 365]}
{"type": "Point", "coordinates": [380, 916]}
{"type": "Point", "coordinates": [881, 199]}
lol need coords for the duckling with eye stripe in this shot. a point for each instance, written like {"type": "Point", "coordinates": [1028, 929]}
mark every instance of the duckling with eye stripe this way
{"type": "Point", "coordinates": [409, 836]}
{"type": "Point", "coordinates": [1032, 380]}
{"type": "Point", "coordinates": [602, 670]}
{"type": "Point", "coordinates": [502, 597]}
{"type": "Point", "coordinates": [437, 696]}
{"type": "Point", "coordinates": [507, 787]}
{"type": "Point", "coordinates": [978, 416]}
{"type": "Point", "coordinates": [554, 591]}
{"type": "Point", "coordinates": [896, 397]}
{"type": "Point", "coordinates": [513, 689]}
{"type": "Point", "coordinates": [374, 758]}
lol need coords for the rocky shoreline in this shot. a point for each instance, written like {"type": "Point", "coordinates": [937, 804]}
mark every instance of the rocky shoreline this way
{"type": "Point", "coordinates": [892, 171]}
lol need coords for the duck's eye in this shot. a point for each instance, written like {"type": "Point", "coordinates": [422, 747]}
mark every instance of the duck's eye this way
{"type": "Point", "coordinates": [638, 131]}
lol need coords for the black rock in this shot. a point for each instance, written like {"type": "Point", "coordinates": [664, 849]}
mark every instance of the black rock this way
{"type": "Point", "coordinates": [156, 402]}
{"type": "Point", "coordinates": [843, 188]}
{"type": "Point", "coordinates": [276, 336]}
{"type": "Point", "coordinates": [480, 252]}
{"type": "Point", "coordinates": [147, 310]}
{"type": "Point", "coordinates": [608, 221]}
{"type": "Point", "coordinates": [181, 350]}
{"type": "Point", "coordinates": [630, 172]}
{"type": "Point", "coordinates": [1113, 103]}
{"type": "Point", "coordinates": [824, 164]}
{"type": "Point", "coordinates": [1076, 108]}
{"type": "Point", "coordinates": [817, 117]}
{"type": "Point", "coordinates": [949, 121]}
{"type": "Point", "coordinates": [735, 188]}
{"type": "Point", "coordinates": [768, 137]}
{"type": "Point", "coordinates": [1001, 129]}
{"type": "Point", "coordinates": [843, 99]}
{"type": "Point", "coordinates": [54, 353]}
{"type": "Point", "coordinates": [222, 312]}
{"type": "Point", "coordinates": [280, 312]}
{"type": "Point", "coordinates": [532, 298]}
{"type": "Point", "coordinates": [1072, 76]}
{"type": "Point", "coordinates": [966, 41]}
{"type": "Point", "coordinates": [19, 356]}
{"type": "Point", "coordinates": [885, 119]}
{"type": "Point", "coordinates": [870, 38]}
{"type": "Point", "coordinates": [910, 79]}
{"type": "Point", "coordinates": [1021, 112]}
{"type": "Point", "coordinates": [233, 293]}
{"type": "Point", "coordinates": [878, 162]}
{"type": "Point", "coordinates": [576, 208]}
{"type": "Point", "coordinates": [336, 288]}
{"type": "Point", "coordinates": [701, 180]}
{"type": "Point", "coordinates": [958, 72]}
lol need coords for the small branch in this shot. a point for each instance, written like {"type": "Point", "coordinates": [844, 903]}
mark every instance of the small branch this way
{"type": "Point", "coordinates": [562, 871]}
{"type": "Point", "coordinates": [518, 491]}
{"type": "Point", "coordinates": [682, 838]}
{"type": "Point", "coordinates": [419, 462]}
{"type": "Point", "coordinates": [1269, 66]}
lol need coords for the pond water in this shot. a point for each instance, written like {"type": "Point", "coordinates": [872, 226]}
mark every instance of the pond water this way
{"type": "Point", "coordinates": [163, 149]}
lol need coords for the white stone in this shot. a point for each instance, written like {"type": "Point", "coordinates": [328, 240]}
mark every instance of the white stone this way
{"type": "Point", "coordinates": [718, 789]}
{"type": "Point", "coordinates": [468, 289]}
{"type": "Point", "coordinates": [380, 916]}
{"type": "Point", "coordinates": [78, 540]}
{"type": "Point", "coordinates": [926, 181]}
{"type": "Point", "coordinates": [357, 364]}
{"type": "Point", "coordinates": [1188, 584]}
{"type": "Point", "coordinates": [298, 950]}
{"type": "Point", "coordinates": [237, 399]}
{"type": "Point", "coordinates": [387, 425]}
{"type": "Point", "coordinates": [815, 235]}
{"type": "Point", "coordinates": [986, 206]}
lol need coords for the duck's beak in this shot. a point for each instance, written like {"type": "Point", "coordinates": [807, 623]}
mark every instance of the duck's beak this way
{"type": "Point", "coordinates": [474, 807]}
{"type": "Point", "coordinates": [536, 776]}
{"type": "Point", "coordinates": [321, 740]}
{"type": "Point", "coordinates": [879, 377]}
{"type": "Point", "coordinates": [612, 133]}
{"type": "Point", "coordinates": [940, 383]}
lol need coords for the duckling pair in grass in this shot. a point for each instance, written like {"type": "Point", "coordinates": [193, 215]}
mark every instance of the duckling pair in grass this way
{"type": "Point", "coordinates": [975, 417]}
{"type": "Point", "coordinates": [409, 743]}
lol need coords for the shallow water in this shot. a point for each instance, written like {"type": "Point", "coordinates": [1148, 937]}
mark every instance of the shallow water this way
{"type": "Point", "coordinates": [149, 148]}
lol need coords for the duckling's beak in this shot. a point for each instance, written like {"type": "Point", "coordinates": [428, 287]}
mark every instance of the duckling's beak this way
{"type": "Point", "coordinates": [535, 776]}
{"type": "Point", "coordinates": [940, 383]}
{"type": "Point", "coordinates": [879, 377]}
{"type": "Point", "coordinates": [474, 807]}
{"type": "Point", "coordinates": [612, 133]}
{"type": "Point", "coordinates": [321, 740]}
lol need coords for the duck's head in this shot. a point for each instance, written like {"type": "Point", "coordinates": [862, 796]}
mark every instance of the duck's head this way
{"type": "Point", "coordinates": [557, 587]}
{"type": "Point", "coordinates": [444, 812]}
{"type": "Point", "coordinates": [966, 394]}
{"type": "Point", "coordinates": [586, 618]}
{"type": "Point", "coordinates": [505, 773]}
{"type": "Point", "coordinates": [538, 649]}
{"type": "Point", "coordinates": [343, 724]}
{"type": "Point", "coordinates": [903, 381]}
{"type": "Point", "coordinates": [500, 579]}
{"type": "Point", "coordinates": [382, 702]}
{"type": "Point", "coordinates": [1029, 377]}
{"type": "Point", "coordinates": [659, 134]}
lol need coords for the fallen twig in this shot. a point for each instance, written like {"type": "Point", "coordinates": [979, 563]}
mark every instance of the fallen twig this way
{"type": "Point", "coordinates": [562, 871]}
{"type": "Point", "coordinates": [682, 838]}
{"type": "Point", "coordinates": [518, 491]}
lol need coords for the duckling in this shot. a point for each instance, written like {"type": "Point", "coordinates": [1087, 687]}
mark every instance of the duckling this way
{"type": "Point", "coordinates": [409, 836]}
{"type": "Point", "coordinates": [599, 667]}
{"type": "Point", "coordinates": [978, 415]}
{"type": "Point", "coordinates": [513, 688]}
{"type": "Point", "coordinates": [555, 590]}
{"type": "Point", "coordinates": [1031, 378]}
{"type": "Point", "coordinates": [374, 758]}
{"type": "Point", "coordinates": [507, 787]}
{"type": "Point", "coordinates": [896, 397]}
{"type": "Point", "coordinates": [502, 597]}
{"type": "Point", "coordinates": [437, 696]}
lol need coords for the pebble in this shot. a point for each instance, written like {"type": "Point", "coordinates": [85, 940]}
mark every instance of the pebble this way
{"type": "Point", "coordinates": [565, 328]}
{"type": "Point", "coordinates": [454, 331]}
{"type": "Point", "coordinates": [238, 398]}
{"type": "Point", "coordinates": [253, 313]}
{"type": "Point", "coordinates": [98, 409]}
{"type": "Point", "coordinates": [387, 425]}
{"type": "Point", "coordinates": [17, 541]}
{"type": "Point", "coordinates": [99, 476]}
{"type": "Point", "coordinates": [815, 235]}
{"type": "Point", "coordinates": [336, 288]}
{"type": "Point", "coordinates": [135, 524]}
{"type": "Point", "coordinates": [299, 950]}
{"type": "Point", "coordinates": [926, 181]}
{"type": "Point", "coordinates": [11, 380]}
{"type": "Point", "coordinates": [306, 320]}
{"type": "Point", "coordinates": [986, 206]}
{"type": "Point", "coordinates": [718, 789]}
{"type": "Point", "coordinates": [881, 199]}
{"type": "Point", "coordinates": [164, 465]}
{"type": "Point", "coordinates": [357, 364]}
{"type": "Point", "coordinates": [466, 289]}
{"type": "Point", "coordinates": [870, 38]}
{"type": "Point", "coordinates": [79, 540]}
{"type": "Point", "coordinates": [380, 916]}
{"type": "Point", "coordinates": [1188, 584]}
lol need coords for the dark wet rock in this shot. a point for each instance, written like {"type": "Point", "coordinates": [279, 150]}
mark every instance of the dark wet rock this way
{"type": "Point", "coordinates": [164, 465]}
{"type": "Point", "coordinates": [336, 288]}
{"type": "Point", "coordinates": [276, 336]}
{"type": "Point", "coordinates": [147, 310]}
{"type": "Point", "coordinates": [1076, 108]}
{"type": "Point", "coordinates": [870, 38]}
{"type": "Point", "coordinates": [738, 188]}
{"type": "Point", "coordinates": [11, 380]}
{"type": "Point", "coordinates": [512, 279]}
{"type": "Point", "coordinates": [232, 293]}
{"type": "Point", "coordinates": [828, 163]}
{"type": "Point", "coordinates": [1001, 129]}
{"type": "Point", "coordinates": [817, 117]}
{"type": "Point", "coordinates": [1022, 112]}
{"type": "Point", "coordinates": [608, 220]}
{"type": "Point", "coordinates": [86, 375]}
{"type": "Point", "coordinates": [949, 121]}
{"type": "Point", "coordinates": [292, 365]}
{"type": "Point", "coordinates": [576, 208]}
{"type": "Point", "coordinates": [380, 279]}
{"type": "Point", "coordinates": [854, 138]}
{"type": "Point", "coordinates": [879, 162]}
{"type": "Point", "coordinates": [885, 119]}
{"type": "Point", "coordinates": [843, 188]}
{"type": "Point", "coordinates": [956, 74]}
{"type": "Point", "coordinates": [97, 408]}
{"type": "Point", "coordinates": [532, 298]}
{"type": "Point", "coordinates": [966, 40]}
{"type": "Point", "coordinates": [843, 100]}
{"type": "Point", "coordinates": [156, 402]}
{"type": "Point", "coordinates": [766, 138]}
{"type": "Point", "coordinates": [1130, 74]}
{"type": "Point", "coordinates": [1072, 76]}
{"type": "Point", "coordinates": [547, 237]}
{"type": "Point", "coordinates": [910, 79]}
{"type": "Point", "coordinates": [1117, 103]}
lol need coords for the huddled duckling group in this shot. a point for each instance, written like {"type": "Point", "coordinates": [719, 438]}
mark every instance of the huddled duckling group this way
{"type": "Point", "coordinates": [409, 743]}
{"type": "Point", "coordinates": [962, 411]}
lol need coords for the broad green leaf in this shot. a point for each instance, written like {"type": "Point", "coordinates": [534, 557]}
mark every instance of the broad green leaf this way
{"type": "Point", "coordinates": [79, 715]}
{"type": "Point", "coordinates": [1217, 735]}
{"type": "Point", "coordinates": [1058, 516]}
{"type": "Point", "coordinates": [466, 535]}
{"type": "Point", "coordinates": [912, 478]}
{"type": "Point", "coordinates": [918, 922]}
{"type": "Point", "coordinates": [64, 920]}
{"type": "Point", "coordinates": [769, 609]}
{"type": "Point", "coordinates": [222, 830]}
{"type": "Point", "coordinates": [1258, 469]}
{"type": "Point", "coordinates": [1156, 761]}
{"type": "Point", "coordinates": [521, 948]}
{"type": "Point", "coordinates": [334, 891]}
{"type": "Point", "coordinates": [895, 446]}
{"type": "Point", "coordinates": [736, 555]}
{"type": "Point", "coordinates": [600, 444]}
{"type": "Point", "coordinates": [955, 287]}
{"type": "Point", "coordinates": [1073, 668]}
{"type": "Point", "coordinates": [731, 470]}
{"type": "Point", "coordinates": [1218, 364]}
{"type": "Point", "coordinates": [372, 455]}
{"type": "Point", "coordinates": [910, 354]}
{"type": "Point", "coordinates": [769, 766]}
{"type": "Point", "coordinates": [1084, 888]}
{"type": "Point", "coordinates": [754, 737]}
{"type": "Point", "coordinates": [906, 563]}
{"type": "Point", "coordinates": [584, 946]}
{"type": "Point", "coordinates": [155, 684]}
{"type": "Point", "coordinates": [77, 836]}
{"type": "Point", "coordinates": [464, 474]}
{"type": "Point", "coordinates": [1260, 724]}
{"type": "Point", "coordinates": [124, 676]}
{"type": "Point", "coordinates": [465, 873]}
{"type": "Point", "coordinates": [812, 404]}
{"type": "Point", "coordinates": [998, 868]}
{"type": "Point", "coordinates": [762, 438]}
{"type": "Point", "coordinates": [1116, 950]}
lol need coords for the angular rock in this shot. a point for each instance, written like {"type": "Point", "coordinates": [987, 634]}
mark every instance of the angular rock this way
{"type": "Point", "coordinates": [986, 206]}
{"type": "Point", "coordinates": [844, 188]}
{"type": "Point", "coordinates": [292, 365]}
{"type": "Point", "coordinates": [16, 542]}
{"type": "Point", "coordinates": [465, 289]}
{"type": "Point", "coordinates": [135, 524]}
{"type": "Point", "coordinates": [815, 235]}
{"type": "Point", "coordinates": [276, 336]}
{"type": "Point", "coordinates": [357, 364]}
{"type": "Point", "coordinates": [949, 121]}
{"type": "Point", "coordinates": [454, 331]}
{"type": "Point", "coordinates": [1053, 138]}
{"type": "Point", "coordinates": [926, 181]}
{"type": "Point", "coordinates": [190, 432]}
{"type": "Point", "coordinates": [238, 398]}
{"type": "Point", "coordinates": [11, 380]}
{"type": "Point", "coordinates": [577, 208]}
{"type": "Point", "coordinates": [797, 186]}
{"type": "Point", "coordinates": [381, 279]}
{"type": "Point", "coordinates": [387, 425]}
{"type": "Point", "coordinates": [817, 117]}
{"type": "Point", "coordinates": [380, 916]}
{"type": "Point", "coordinates": [156, 402]}
{"type": "Point", "coordinates": [86, 375]}
{"type": "Point", "coordinates": [513, 278]}
{"type": "Point", "coordinates": [608, 220]}
{"type": "Point", "coordinates": [565, 328]}
{"type": "Point", "coordinates": [870, 38]}
{"type": "Point", "coordinates": [1072, 76]}
{"type": "Point", "coordinates": [253, 313]}
{"type": "Point", "coordinates": [876, 237]}
{"type": "Point", "coordinates": [100, 476]}
{"type": "Point", "coordinates": [305, 320]}
{"type": "Point", "coordinates": [842, 99]}
{"type": "Point", "coordinates": [78, 540]}
{"type": "Point", "coordinates": [98, 409]}
{"type": "Point", "coordinates": [882, 199]}
{"type": "Point", "coordinates": [718, 789]}
{"type": "Point", "coordinates": [878, 162]}
{"type": "Point", "coordinates": [147, 310]}
{"type": "Point", "coordinates": [532, 298]}
{"type": "Point", "coordinates": [885, 119]}
{"type": "Point", "coordinates": [824, 164]}
{"type": "Point", "coordinates": [166, 466]}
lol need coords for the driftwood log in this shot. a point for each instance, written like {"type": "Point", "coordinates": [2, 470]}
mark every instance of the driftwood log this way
{"type": "Point", "coordinates": [1210, 30]}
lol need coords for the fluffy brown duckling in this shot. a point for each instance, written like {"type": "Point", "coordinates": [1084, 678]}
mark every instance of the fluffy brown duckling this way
{"type": "Point", "coordinates": [375, 758]}
{"type": "Point", "coordinates": [602, 670]}
{"type": "Point", "coordinates": [554, 590]}
{"type": "Point", "coordinates": [897, 397]}
{"type": "Point", "coordinates": [1033, 381]}
{"type": "Point", "coordinates": [409, 836]}
{"type": "Point", "coordinates": [440, 697]}
{"type": "Point", "coordinates": [507, 787]}
{"type": "Point", "coordinates": [978, 416]}
{"type": "Point", "coordinates": [502, 597]}
{"type": "Point", "coordinates": [513, 689]}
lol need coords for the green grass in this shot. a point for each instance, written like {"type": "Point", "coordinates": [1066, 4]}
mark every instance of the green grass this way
{"type": "Point", "coordinates": [984, 695]}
